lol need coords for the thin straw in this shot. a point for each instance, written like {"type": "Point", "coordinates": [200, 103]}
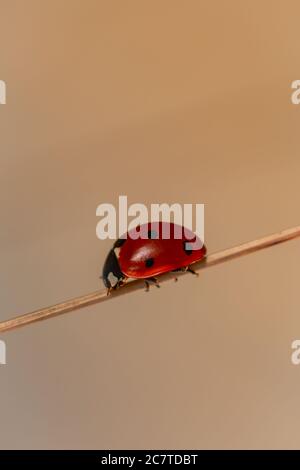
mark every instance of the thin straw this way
{"type": "Point", "coordinates": [101, 296]}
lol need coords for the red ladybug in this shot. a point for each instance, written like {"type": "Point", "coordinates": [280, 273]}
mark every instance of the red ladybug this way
{"type": "Point", "coordinates": [149, 250]}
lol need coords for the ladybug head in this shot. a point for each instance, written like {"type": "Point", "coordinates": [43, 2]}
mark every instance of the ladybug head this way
{"type": "Point", "coordinates": [111, 273]}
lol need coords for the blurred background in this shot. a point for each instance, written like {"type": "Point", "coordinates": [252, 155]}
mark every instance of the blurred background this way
{"type": "Point", "coordinates": [163, 101]}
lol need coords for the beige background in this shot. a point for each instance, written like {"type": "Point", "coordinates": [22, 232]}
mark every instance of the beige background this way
{"type": "Point", "coordinates": [162, 101]}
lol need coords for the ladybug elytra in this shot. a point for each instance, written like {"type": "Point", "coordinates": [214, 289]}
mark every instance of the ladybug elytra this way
{"type": "Point", "coordinates": [149, 250]}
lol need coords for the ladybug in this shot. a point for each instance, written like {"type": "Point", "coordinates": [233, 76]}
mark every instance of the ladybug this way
{"type": "Point", "coordinates": [149, 250]}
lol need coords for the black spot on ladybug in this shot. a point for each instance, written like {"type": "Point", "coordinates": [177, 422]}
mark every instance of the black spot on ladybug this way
{"type": "Point", "coordinates": [188, 248]}
{"type": "Point", "coordinates": [149, 262]}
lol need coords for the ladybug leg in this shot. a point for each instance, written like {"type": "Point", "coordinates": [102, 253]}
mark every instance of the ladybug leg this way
{"type": "Point", "coordinates": [190, 270]}
{"type": "Point", "coordinates": [151, 280]}
{"type": "Point", "coordinates": [183, 270]}
{"type": "Point", "coordinates": [120, 283]}
{"type": "Point", "coordinates": [108, 291]}
{"type": "Point", "coordinates": [179, 270]}
{"type": "Point", "coordinates": [154, 280]}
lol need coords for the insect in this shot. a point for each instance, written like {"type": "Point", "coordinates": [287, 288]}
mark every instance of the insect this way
{"type": "Point", "coordinates": [149, 250]}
